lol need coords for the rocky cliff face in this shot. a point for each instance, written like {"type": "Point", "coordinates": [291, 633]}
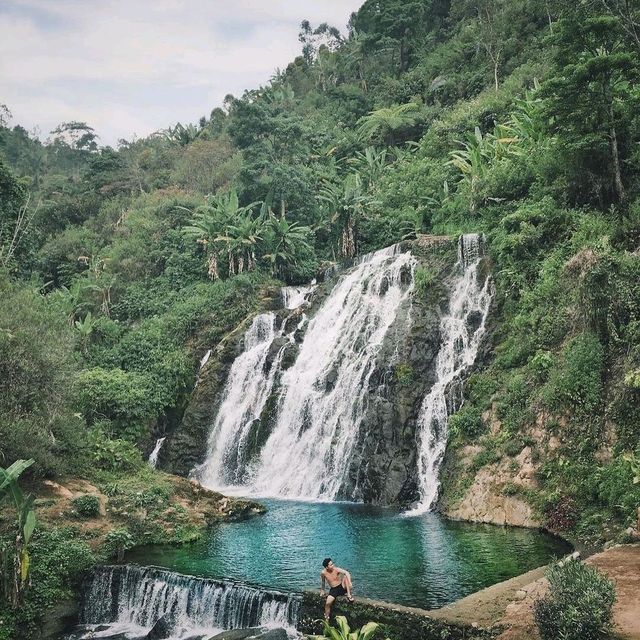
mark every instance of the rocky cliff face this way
{"type": "Point", "coordinates": [384, 469]}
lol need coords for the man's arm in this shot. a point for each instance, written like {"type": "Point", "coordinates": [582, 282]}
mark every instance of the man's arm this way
{"type": "Point", "coordinates": [343, 571]}
{"type": "Point", "coordinates": [322, 582]}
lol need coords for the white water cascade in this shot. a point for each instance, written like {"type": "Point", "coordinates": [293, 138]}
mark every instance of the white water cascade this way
{"type": "Point", "coordinates": [153, 458]}
{"type": "Point", "coordinates": [130, 600]}
{"type": "Point", "coordinates": [462, 330]}
{"type": "Point", "coordinates": [324, 394]}
{"type": "Point", "coordinates": [246, 391]}
{"type": "Point", "coordinates": [294, 297]}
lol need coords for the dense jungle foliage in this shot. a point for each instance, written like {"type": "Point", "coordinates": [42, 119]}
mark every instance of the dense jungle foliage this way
{"type": "Point", "coordinates": [520, 120]}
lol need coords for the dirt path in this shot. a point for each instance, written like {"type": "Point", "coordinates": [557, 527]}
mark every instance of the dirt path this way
{"type": "Point", "coordinates": [509, 605]}
{"type": "Point", "coordinates": [621, 564]}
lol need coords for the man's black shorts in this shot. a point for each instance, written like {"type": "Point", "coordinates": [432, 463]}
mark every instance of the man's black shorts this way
{"type": "Point", "coordinates": [337, 591]}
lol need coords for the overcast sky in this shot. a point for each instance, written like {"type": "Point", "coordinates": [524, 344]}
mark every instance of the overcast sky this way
{"type": "Point", "coordinates": [131, 67]}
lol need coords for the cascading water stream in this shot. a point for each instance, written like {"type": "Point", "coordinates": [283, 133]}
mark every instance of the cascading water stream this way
{"type": "Point", "coordinates": [324, 394]}
{"type": "Point", "coordinates": [153, 458]}
{"type": "Point", "coordinates": [462, 330]}
{"type": "Point", "coordinates": [244, 396]}
{"type": "Point", "coordinates": [132, 599]}
{"type": "Point", "coordinates": [294, 297]}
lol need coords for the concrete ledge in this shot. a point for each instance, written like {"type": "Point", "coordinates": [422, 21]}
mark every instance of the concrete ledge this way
{"type": "Point", "coordinates": [397, 622]}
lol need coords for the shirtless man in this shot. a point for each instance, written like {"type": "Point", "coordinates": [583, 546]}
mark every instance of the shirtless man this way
{"type": "Point", "coordinates": [339, 586]}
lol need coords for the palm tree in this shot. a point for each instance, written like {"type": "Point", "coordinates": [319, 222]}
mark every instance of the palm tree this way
{"type": "Point", "coordinates": [223, 226]}
{"type": "Point", "coordinates": [387, 122]}
{"type": "Point", "coordinates": [284, 240]}
{"type": "Point", "coordinates": [346, 202]}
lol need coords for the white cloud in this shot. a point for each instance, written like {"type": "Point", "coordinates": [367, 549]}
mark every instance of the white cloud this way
{"type": "Point", "coordinates": [63, 60]}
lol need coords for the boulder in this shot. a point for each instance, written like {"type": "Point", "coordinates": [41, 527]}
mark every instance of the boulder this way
{"type": "Point", "coordinates": [161, 630]}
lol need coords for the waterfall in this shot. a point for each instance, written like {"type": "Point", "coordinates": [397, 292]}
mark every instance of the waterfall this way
{"type": "Point", "coordinates": [246, 391]}
{"type": "Point", "coordinates": [153, 458]}
{"type": "Point", "coordinates": [205, 358]}
{"type": "Point", "coordinates": [462, 330]}
{"type": "Point", "coordinates": [324, 394]}
{"type": "Point", "coordinates": [294, 297]}
{"type": "Point", "coordinates": [131, 597]}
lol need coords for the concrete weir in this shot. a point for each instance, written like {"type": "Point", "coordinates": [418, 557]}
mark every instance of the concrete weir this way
{"type": "Point", "coordinates": [397, 622]}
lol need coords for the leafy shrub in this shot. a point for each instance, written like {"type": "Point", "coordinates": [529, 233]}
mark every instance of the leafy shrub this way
{"type": "Point", "coordinates": [424, 279]}
{"type": "Point", "coordinates": [513, 446]}
{"type": "Point", "coordinates": [480, 388]}
{"type": "Point", "coordinates": [561, 514]}
{"type": "Point", "coordinates": [489, 455]}
{"type": "Point", "coordinates": [510, 489]}
{"type": "Point", "coordinates": [87, 506]}
{"type": "Point", "coordinates": [117, 541]}
{"type": "Point", "coordinates": [579, 605]}
{"type": "Point", "coordinates": [114, 454]}
{"type": "Point", "coordinates": [513, 407]}
{"type": "Point", "coordinates": [541, 364]}
{"type": "Point", "coordinates": [404, 374]}
{"type": "Point", "coordinates": [467, 423]}
{"type": "Point", "coordinates": [59, 558]}
{"type": "Point", "coordinates": [120, 396]}
{"type": "Point", "coordinates": [577, 383]}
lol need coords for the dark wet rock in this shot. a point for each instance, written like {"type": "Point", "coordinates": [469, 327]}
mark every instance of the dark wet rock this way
{"type": "Point", "coordinates": [273, 634]}
{"type": "Point", "coordinates": [237, 634]}
{"type": "Point", "coordinates": [162, 629]}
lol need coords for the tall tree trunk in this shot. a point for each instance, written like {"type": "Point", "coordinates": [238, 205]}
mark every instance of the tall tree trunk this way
{"type": "Point", "coordinates": [613, 144]}
{"type": "Point", "coordinates": [232, 267]}
{"type": "Point", "coordinates": [212, 267]}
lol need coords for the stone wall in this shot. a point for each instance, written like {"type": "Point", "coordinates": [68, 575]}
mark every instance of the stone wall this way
{"type": "Point", "coordinates": [397, 622]}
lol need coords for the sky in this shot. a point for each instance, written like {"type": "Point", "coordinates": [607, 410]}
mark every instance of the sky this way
{"type": "Point", "coordinates": [131, 67]}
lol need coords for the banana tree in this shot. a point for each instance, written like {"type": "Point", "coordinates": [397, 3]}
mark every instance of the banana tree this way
{"type": "Point", "coordinates": [15, 560]}
{"type": "Point", "coordinates": [472, 160]}
{"type": "Point", "coordinates": [371, 166]}
{"type": "Point", "coordinates": [284, 240]}
{"type": "Point", "coordinates": [217, 226]}
{"type": "Point", "coordinates": [346, 202]}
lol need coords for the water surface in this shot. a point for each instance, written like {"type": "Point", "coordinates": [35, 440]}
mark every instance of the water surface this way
{"type": "Point", "coordinates": [424, 561]}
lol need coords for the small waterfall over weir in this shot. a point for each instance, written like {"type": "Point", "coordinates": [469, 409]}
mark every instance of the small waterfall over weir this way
{"type": "Point", "coordinates": [462, 330]}
{"type": "Point", "coordinates": [132, 599]}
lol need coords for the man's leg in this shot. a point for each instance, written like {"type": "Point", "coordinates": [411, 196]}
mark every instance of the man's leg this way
{"type": "Point", "coordinates": [327, 607]}
{"type": "Point", "coordinates": [346, 583]}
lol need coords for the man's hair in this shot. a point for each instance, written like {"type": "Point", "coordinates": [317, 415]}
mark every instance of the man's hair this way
{"type": "Point", "coordinates": [325, 562]}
